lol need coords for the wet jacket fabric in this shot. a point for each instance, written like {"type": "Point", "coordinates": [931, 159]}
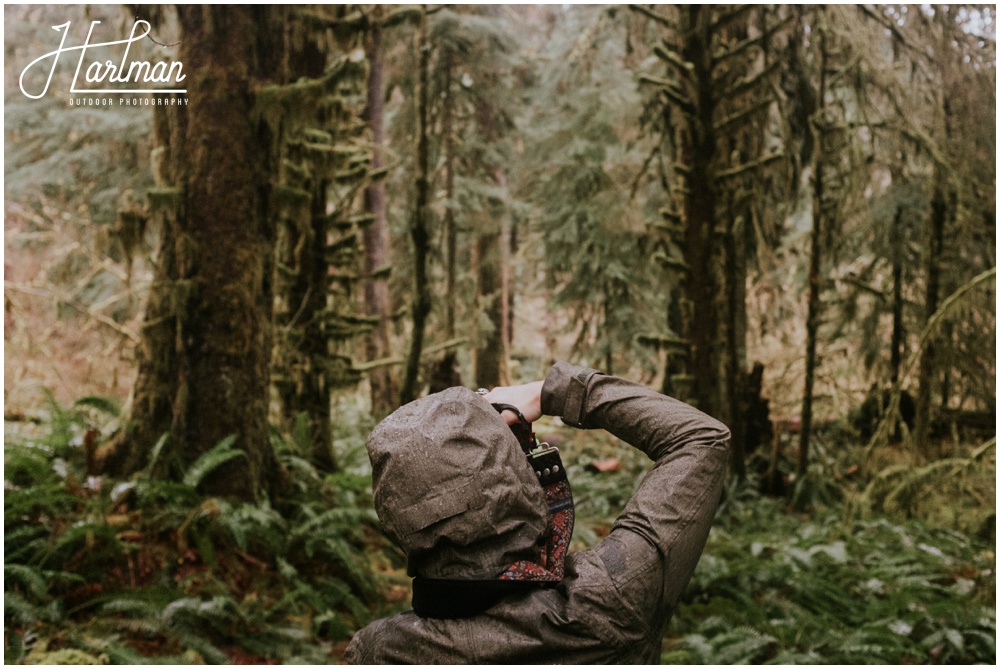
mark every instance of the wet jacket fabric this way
{"type": "Point", "coordinates": [616, 599]}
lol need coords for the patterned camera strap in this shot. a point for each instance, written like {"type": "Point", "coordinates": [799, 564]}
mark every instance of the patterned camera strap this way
{"type": "Point", "coordinates": [551, 473]}
{"type": "Point", "coordinates": [561, 516]}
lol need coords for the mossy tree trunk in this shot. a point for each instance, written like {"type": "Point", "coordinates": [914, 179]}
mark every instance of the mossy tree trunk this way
{"type": "Point", "coordinates": [700, 244]}
{"type": "Point", "coordinates": [488, 352]}
{"type": "Point", "coordinates": [815, 249]}
{"type": "Point", "coordinates": [934, 248]}
{"type": "Point", "coordinates": [420, 224]}
{"type": "Point", "coordinates": [384, 387]}
{"type": "Point", "coordinates": [204, 361]}
{"type": "Point", "coordinates": [450, 224]}
{"type": "Point", "coordinates": [716, 97]}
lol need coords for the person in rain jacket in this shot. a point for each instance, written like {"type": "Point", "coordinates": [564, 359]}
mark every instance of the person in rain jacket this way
{"type": "Point", "coordinates": [453, 488]}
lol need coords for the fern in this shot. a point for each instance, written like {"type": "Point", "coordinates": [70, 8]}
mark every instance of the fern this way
{"type": "Point", "coordinates": [786, 589]}
{"type": "Point", "coordinates": [743, 645]}
{"type": "Point", "coordinates": [105, 405]}
{"type": "Point", "coordinates": [210, 460]}
{"type": "Point", "coordinates": [19, 611]}
{"type": "Point", "coordinates": [156, 453]}
{"type": "Point", "coordinates": [31, 579]}
{"type": "Point", "coordinates": [95, 541]}
{"type": "Point", "coordinates": [24, 543]}
{"type": "Point", "coordinates": [259, 527]}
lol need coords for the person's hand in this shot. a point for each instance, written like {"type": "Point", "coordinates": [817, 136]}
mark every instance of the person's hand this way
{"type": "Point", "coordinates": [526, 397]}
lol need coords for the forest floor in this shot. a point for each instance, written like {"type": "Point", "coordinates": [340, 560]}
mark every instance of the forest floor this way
{"type": "Point", "coordinates": [100, 570]}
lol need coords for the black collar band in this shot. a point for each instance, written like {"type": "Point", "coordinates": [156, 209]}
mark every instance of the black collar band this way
{"type": "Point", "coordinates": [454, 598]}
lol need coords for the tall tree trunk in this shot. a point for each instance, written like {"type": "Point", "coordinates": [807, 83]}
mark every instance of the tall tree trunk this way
{"type": "Point", "coordinates": [204, 361]}
{"type": "Point", "coordinates": [384, 392]}
{"type": "Point", "coordinates": [934, 246]}
{"type": "Point", "coordinates": [302, 379]}
{"type": "Point", "coordinates": [736, 378]}
{"type": "Point", "coordinates": [699, 242]}
{"type": "Point", "coordinates": [419, 227]}
{"type": "Point", "coordinates": [815, 253]}
{"type": "Point", "coordinates": [933, 250]}
{"type": "Point", "coordinates": [506, 294]}
{"type": "Point", "coordinates": [488, 353]}
{"type": "Point", "coordinates": [896, 343]}
{"type": "Point", "coordinates": [450, 229]}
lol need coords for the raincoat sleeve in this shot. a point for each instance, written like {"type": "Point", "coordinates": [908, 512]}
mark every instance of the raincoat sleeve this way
{"type": "Point", "coordinates": [655, 544]}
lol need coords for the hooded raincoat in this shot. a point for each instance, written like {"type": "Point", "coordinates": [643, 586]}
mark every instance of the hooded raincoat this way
{"type": "Point", "coordinates": [452, 487]}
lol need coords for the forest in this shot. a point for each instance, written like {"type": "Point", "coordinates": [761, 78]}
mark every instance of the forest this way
{"type": "Point", "coordinates": [784, 215]}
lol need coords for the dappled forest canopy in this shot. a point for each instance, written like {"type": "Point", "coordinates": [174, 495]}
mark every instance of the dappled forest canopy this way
{"type": "Point", "coordinates": [784, 215]}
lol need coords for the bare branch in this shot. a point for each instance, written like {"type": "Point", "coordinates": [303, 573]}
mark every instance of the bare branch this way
{"type": "Point", "coordinates": [723, 54]}
{"type": "Point", "coordinates": [740, 115]}
{"type": "Point", "coordinates": [671, 90]}
{"type": "Point", "coordinates": [747, 167]}
{"type": "Point", "coordinates": [68, 301]}
{"type": "Point", "coordinates": [666, 53]}
{"type": "Point", "coordinates": [659, 18]}
{"type": "Point", "coordinates": [726, 19]}
{"type": "Point", "coordinates": [746, 84]}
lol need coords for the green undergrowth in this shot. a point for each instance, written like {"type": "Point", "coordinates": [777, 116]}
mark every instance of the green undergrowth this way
{"type": "Point", "coordinates": [98, 570]}
{"type": "Point", "coordinates": [776, 586]}
{"type": "Point", "coordinates": [822, 577]}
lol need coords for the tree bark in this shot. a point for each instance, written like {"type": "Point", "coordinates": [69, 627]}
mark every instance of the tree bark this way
{"type": "Point", "coordinates": [896, 343]}
{"type": "Point", "coordinates": [815, 253]}
{"type": "Point", "coordinates": [933, 249]}
{"type": "Point", "coordinates": [384, 391]}
{"type": "Point", "coordinates": [488, 353]}
{"type": "Point", "coordinates": [419, 232]}
{"type": "Point", "coordinates": [450, 229]}
{"type": "Point", "coordinates": [736, 378]}
{"type": "Point", "coordinates": [506, 290]}
{"type": "Point", "coordinates": [698, 152]}
{"type": "Point", "coordinates": [204, 361]}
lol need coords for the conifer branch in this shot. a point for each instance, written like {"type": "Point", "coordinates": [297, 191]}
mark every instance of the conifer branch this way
{"type": "Point", "coordinates": [666, 53]}
{"type": "Point", "coordinates": [726, 19]}
{"type": "Point", "coordinates": [723, 54]}
{"type": "Point", "coordinates": [659, 18]}
{"type": "Point", "coordinates": [355, 20]}
{"type": "Point", "coordinates": [746, 167]}
{"type": "Point", "coordinates": [733, 119]}
{"type": "Point", "coordinates": [675, 96]}
{"type": "Point", "coordinates": [747, 84]}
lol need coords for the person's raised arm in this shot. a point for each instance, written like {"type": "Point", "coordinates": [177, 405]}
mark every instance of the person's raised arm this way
{"type": "Point", "coordinates": [656, 542]}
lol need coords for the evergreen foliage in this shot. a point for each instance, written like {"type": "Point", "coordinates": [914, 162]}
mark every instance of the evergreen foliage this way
{"type": "Point", "coordinates": [151, 570]}
{"type": "Point", "coordinates": [774, 587]}
{"type": "Point", "coordinates": [668, 170]}
{"type": "Point", "coordinates": [580, 168]}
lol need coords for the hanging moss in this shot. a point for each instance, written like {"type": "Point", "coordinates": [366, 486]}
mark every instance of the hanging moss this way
{"type": "Point", "coordinates": [324, 156]}
{"type": "Point", "coordinates": [164, 200]}
{"type": "Point", "coordinates": [350, 175]}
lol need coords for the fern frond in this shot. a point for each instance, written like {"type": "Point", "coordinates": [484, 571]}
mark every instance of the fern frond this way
{"type": "Point", "coordinates": [210, 460]}
{"type": "Point", "coordinates": [97, 538]}
{"type": "Point", "coordinates": [19, 611]}
{"type": "Point", "coordinates": [105, 405]}
{"type": "Point", "coordinates": [154, 456]}
{"type": "Point", "coordinates": [257, 525]}
{"type": "Point", "coordinates": [218, 613]}
{"type": "Point", "coordinates": [46, 499]}
{"type": "Point", "coordinates": [31, 579]}
{"type": "Point", "coordinates": [26, 465]}
{"type": "Point", "coordinates": [743, 645]}
{"type": "Point", "coordinates": [24, 541]}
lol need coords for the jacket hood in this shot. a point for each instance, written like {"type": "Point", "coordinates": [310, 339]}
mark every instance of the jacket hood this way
{"type": "Point", "coordinates": [453, 489]}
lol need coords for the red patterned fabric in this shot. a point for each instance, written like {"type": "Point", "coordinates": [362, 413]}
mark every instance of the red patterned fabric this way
{"type": "Point", "coordinates": [559, 497]}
